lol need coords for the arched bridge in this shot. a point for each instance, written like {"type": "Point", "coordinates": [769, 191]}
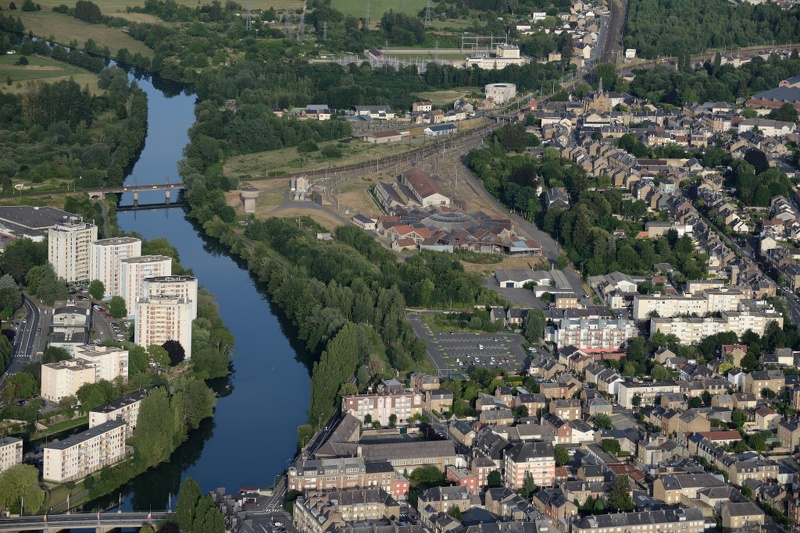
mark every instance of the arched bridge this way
{"type": "Point", "coordinates": [101, 192]}
{"type": "Point", "coordinates": [58, 522]}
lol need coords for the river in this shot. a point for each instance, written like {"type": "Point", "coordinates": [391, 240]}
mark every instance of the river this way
{"type": "Point", "coordinates": [253, 434]}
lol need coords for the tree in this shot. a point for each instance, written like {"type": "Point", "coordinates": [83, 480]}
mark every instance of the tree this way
{"type": "Point", "coordinates": [367, 419]}
{"type": "Point", "coordinates": [561, 455]}
{"type": "Point", "coordinates": [455, 512]}
{"type": "Point", "coordinates": [117, 307]}
{"type": "Point", "coordinates": [18, 483]}
{"type": "Point", "coordinates": [528, 486]}
{"type": "Point", "coordinates": [494, 479]}
{"type": "Point", "coordinates": [749, 361]}
{"type": "Point", "coordinates": [533, 325]}
{"type": "Point", "coordinates": [619, 497]}
{"type": "Point", "coordinates": [427, 476]}
{"type": "Point", "coordinates": [97, 289]}
{"type": "Point", "coordinates": [88, 11]}
{"type": "Point", "coordinates": [152, 438]}
{"type": "Point", "coordinates": [54, 354]}
{"type": "Point", "coordinates": [695, 402]}
{"type": "Point", "coordinates": [636, 401]}
{"type": "Point", "coordinates": [175, 351]}
{"type": "Point", "coordinates": [393, 420]}
{"type": "Point", "coordinates": [187, 502]}
{"type": "Point", "coordinates": [787, 112]}
{"type": "Point", "coordinates": [521, 411]}
{"type": "Point", "coordinates": [610, 446]}
{"type": "Point", "coordinates": [602, 421]}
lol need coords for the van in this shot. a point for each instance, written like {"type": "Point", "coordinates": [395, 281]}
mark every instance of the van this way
{"type": "Point", "coordinates": [480, 346]}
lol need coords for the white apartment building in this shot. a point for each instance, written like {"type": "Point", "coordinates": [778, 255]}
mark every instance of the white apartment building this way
{"type": "Point", "coordinates": [692, 330]}
{"type": "Point", "coordinates": [647, 391]}
{"type": "Point", "coordinates": [135, 270]}
{"type": "Point", "coordinates": [534, 458]}
{"type": "Point", "coordinates": [381, 407]}
{"type": "Point", "coordinates": [65, 378]}
{"type": "Point", "coordinates": [10, 452]}
{"type": "Point", "coordinates": [109, 362]}
{"type": "Point", "coordinates": [69, 250]}
{"type": "Point", "coordinates": [105, 261]}
{"type": "Point", "coordinates": [163, 318]}
{"type": "Point", "coordinates": [595, 334]}
{"type": "Point", "coordinates": [80, 455]}
{"type": "Point", "coordinates": [125, 409]}
{"type": "Point", "coordinates": [665, 306]}
{"type": "Point", "coordinates": [178, 286]}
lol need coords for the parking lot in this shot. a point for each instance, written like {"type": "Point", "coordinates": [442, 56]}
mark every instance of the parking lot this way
{"type": "Point", "coordinates": [458, 352]}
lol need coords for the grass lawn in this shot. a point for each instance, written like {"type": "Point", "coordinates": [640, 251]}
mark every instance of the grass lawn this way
{"type": "Point", "coordinates": [449, 96]}
{"type": "Point", "coordinates": [377, 7]}
{"type": "Point", "coordinates": [41, 68]}
{"type": "Point", "coordinates": [64, 29]}
{"type": "Point", "coordinates": [61, 426]}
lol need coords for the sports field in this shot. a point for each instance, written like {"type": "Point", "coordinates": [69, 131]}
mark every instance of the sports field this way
{"type": "Point", "coordinates": [377, 8]}
{"type": "Point", "coordinates": [40, 68]}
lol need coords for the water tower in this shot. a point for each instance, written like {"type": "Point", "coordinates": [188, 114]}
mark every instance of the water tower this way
{"type": "Point", "coordinates": [249, 197]}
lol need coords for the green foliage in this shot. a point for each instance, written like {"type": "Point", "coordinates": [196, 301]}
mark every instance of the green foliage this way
{"type": "Point", "coordinates": [533, 325]}
{"type": "Point", "coordinates": [455, 512]}
{"type": "Point", "coordinates": [93, 395]}
{"type": "Point", "coordinates": [756, 186]}
{"type": "Point", "coordinates": [494, 479]}
{"type": "Point", "coordinates": [602, 421]}
{"type": "Point", "coordinates": [117, 307]}
{"type": "Point", "coordinates": [610, 446]}
{"type": "Point", "coordinates": [427, 476]}
{"type": "Point", "coordinates": [97, 289]}
{"type": "Point", "coordinates": [43, 283]}
{"type": "Point", "coordinates": [20, 386]}
{"type": "Point", "coordinates": [20, 256]}
{"type": "Point", "coordinates": [21, 483]}
{"type": "Point", "coordinates": [619, 497]}
{"type": "Point", "coordinates": [561, 455]}
{"type": "Point", "coordinates": [187, 502]}
{"type": "Point", "coordinates": [306, 431]}
{"type": "Point", "coordinates": [87, 11]}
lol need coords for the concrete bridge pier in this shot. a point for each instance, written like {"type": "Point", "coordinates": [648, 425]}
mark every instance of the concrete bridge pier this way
{"type": "Point", "coordinates": [167, 194]}
{"type": "Point", "coordinates": [135, 198]}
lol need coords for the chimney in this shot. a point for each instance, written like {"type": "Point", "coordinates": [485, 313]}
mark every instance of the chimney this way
{"type": "Point", "coordinates": [359, 451]}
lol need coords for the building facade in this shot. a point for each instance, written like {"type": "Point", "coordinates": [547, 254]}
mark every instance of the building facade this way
{"type": "Point", "coordinates": [80, 455]}
{"type": "Point", "coordinates": [109, 362]}
{"type": "Point", "coordinates": [10, 452]}
{"type": "Point", "coordinates": [595, 334]}
{"type": "Point", "coordinates": [380, 407]}
{"type": "Point", "coordinates": [69, 250]}
{"type": "Point", "coordinates": [65, 378]}
{"type": "Point", "coordinates": [125, 409]}
{"type": "Point", "coordinates": [106, 255]}
{"type": "Point", "coordinates": [163, 318]}
{"type": "Point", "coordinates": [179, 286]}
{"type": "Point", "coordinates": [534, 458]}
{"type": "Point", "coordinates": [133, 273]}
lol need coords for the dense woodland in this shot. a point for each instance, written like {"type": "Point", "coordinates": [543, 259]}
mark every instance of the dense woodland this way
{"type": "Point", "coordinates": [679, 27]}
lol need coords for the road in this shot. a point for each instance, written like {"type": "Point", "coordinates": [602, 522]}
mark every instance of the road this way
{"type": "Point", "coordinates": [28, 337]}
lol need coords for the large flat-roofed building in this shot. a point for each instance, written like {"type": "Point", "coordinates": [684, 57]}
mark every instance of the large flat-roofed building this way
{"type": "Point", "coordinates": [666, 306]}
{"type": "Point", "coordinates": [125, 409]}
{"type": "Point", "coordinates": [595, 334]}
{"type": "Point", "coordinates": [345, 473]}
{"type": "Point", "coordinates": [10, 452]}
{"type": "Point", "coordinates": [647, 392]}
{"type": "Point", "coordinates": [105, 261]}
{"type": "Point", "coordinates": [30, 222]}
{"type": "Point", "coordinates": [135, 270]}
{"type": "Point", "coordinates": [164, 318]}
{"type": "Point", "coordinates": [69, 250]}
{"type": "Point", "coordinates": [109, 362]}
{"type": "Point", "coordinates": [504, 55]}
{"type": "Point", "coordinates": [683, 520]}
{"type": "Point", "coordinates": [317, 512]}
{"type": "Point", "coordinates": [380, 407]}
{"type": "Point", "coordinates": [65, 378]}
{"type": "Point", "coordinates": [178, 286]}
{"type": "Point", "coordinates": [80, 455]}
{"type": "Point", "coordinates": [692, 330]}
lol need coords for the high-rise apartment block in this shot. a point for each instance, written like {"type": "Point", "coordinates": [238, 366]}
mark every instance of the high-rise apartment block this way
{"type": "Point", "coordinates": [69, 250]}
{"type": "Point", "coordinates": [105, 261]}
{"type": "Point", "coordinates": [178, 286]}
{"type": "Point", "coordinates": [135, 270]}
{"type": "Point", "coordinates": [163, 318]}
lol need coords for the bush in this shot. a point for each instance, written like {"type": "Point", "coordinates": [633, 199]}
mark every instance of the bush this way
{"type": "Point", "coordinates": [331, 152]}
{"type": "Point", "coordinates": [307, 147]}
{"type": "Point", "coordinates": [23, 60]}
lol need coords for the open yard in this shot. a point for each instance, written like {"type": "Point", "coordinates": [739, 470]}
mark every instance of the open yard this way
{"type": "Point", "coordinates": [64, 29]}
{"type": "Point", "coordinates": [377, 8]}
{"type": "Point", "coordinates": [440, 98]}
{"type": "Point", "coordinates": [40, 68]}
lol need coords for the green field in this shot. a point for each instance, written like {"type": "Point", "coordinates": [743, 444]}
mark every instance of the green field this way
{"type": "Point", "coordinates": [377, 8]}
{"type": "Point", "coordinates": [40, 68]}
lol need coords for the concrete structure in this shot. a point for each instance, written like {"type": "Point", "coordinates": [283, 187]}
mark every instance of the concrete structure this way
{"type": "Point", "coordinates": [69, 250]}
{"type": "Point", "coordinates": [10, 452]}
{"type": "Point", "coordinates": [380, 407]}
{"type": "Point", "coordinates": [178, 286]}
{"type": "Point", "coordinates": [595, 334]}
{"type": "Point", "coordinates": [65, 378]}
{"type": "Point", "coordinates": [534, 458]}
{"type": "Point", "coordinates": [501, 93]}
{"type": "Point", "coordinates": [80, 455]}
{"type": "Point", "coordinates": [109, 362]}
{"type": "Point", "coordinates": [106, 255]}
{"type": "Point", "coordinates": [135, 270]}
{"type": "Point", "coordinates": [249, 196]}
{"type": "Point", "coordinates": [692, 330]}
{"type": "Point", "coordinates": [163, 318]}
{"type": "Point", "coordinates": [125, 409]}
{"type": "Point", "coordinates": [70, 326]}
{"type": "Point", "coordinates": [666, 306]}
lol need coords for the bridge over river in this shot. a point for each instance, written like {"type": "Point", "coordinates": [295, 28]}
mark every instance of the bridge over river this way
{"type": "Point", "coordinates": [101, 523]}
{"type": "Point", "coordinates": [101, 192]}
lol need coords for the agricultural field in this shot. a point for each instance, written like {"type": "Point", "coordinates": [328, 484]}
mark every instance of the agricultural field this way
{"type": "Point", "coordinates": [377, 8]}
{"type": "Point", "coordinates": [40, 68]}
{"type": "Point", "coordinates": [64, 29]}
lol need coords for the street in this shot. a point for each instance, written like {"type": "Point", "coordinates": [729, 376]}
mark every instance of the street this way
{"type": "Point", "coordinates": [28, 336]}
